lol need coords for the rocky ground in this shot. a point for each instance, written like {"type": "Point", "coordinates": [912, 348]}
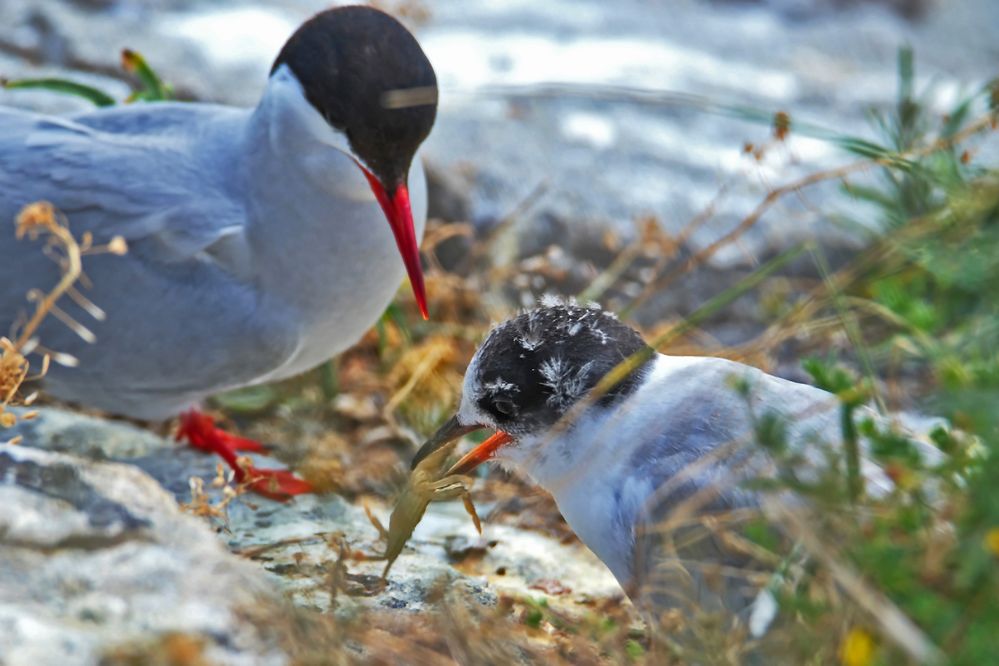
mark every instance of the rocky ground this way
{"type": "Point", "coordinates": [98, 561]}
{"type": "Point", "coordinates": [562, 126]}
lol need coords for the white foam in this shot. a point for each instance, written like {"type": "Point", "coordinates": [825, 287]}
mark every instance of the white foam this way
{"type": "Point", "coordinates": [468, 59]}
{"type": "Point", "coordinates": [596, 130]}
{"type": "Point", "coordinates": [233, 36]}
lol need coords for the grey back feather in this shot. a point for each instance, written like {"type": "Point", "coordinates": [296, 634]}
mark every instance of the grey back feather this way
{"type": "Point", "coordinates": [174, 203]}
{"type": "Point", "coordinates": [112, 183]}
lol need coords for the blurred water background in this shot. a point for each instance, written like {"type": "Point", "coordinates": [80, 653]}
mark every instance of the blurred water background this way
{"type": "Point", "coordinates": [608, 104]}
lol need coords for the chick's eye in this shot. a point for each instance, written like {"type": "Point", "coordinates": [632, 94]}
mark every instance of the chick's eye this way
{"type": "Point", "coordinates": [505, 407]}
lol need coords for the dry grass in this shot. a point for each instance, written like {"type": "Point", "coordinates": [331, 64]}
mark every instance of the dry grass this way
{"type": "Point", "coordinates": [34, 221]}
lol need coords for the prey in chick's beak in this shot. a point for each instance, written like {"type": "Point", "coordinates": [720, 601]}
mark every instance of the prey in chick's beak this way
{"type": "Point", "coordinates": [451, 431]}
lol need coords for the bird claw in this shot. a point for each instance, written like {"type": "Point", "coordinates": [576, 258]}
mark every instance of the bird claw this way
{"type": "Point", "coordinates": [200, 432]}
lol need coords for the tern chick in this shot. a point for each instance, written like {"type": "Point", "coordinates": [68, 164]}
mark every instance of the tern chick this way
{"type": "Point", "coordinates": [640, 470]}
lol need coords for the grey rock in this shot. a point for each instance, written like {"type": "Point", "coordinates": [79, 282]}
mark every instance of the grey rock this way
{"type": "Point", "coordinates": [448, 195]}
{"type": "Point", "coordinates": [96, 555]}
{"type": "Point", "coordinates": [87, 436]}
{"type": "Point", "coordinates": [298, 544]}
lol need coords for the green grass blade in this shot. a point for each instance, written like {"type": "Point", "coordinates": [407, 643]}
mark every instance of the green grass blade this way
{"type": "Point", "coordinates": [153, 89]}
{"type": "Point", "coordinates": [64, 87]}
{"type": "Point", "coordinates": [699, 316]}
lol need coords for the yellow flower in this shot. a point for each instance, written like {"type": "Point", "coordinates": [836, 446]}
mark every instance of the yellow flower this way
{"type": "Point", "coordinates": [991, 541]}
{"type": "Point", "coordinates": [857, 648]}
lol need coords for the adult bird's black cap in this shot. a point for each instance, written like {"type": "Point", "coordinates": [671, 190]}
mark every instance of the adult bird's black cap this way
{"type": "Point", "coordinates": [367, 76]}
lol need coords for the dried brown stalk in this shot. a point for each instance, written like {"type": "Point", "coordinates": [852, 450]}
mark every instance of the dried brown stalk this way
{"type": "Point", "coordinates": [36, 220]}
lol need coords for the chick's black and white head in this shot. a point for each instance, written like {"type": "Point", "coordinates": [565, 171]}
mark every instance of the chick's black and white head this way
{"type": "Point", "coordinates": [533, 368]}
{"type": "Point", "coordinates": [368, 78]}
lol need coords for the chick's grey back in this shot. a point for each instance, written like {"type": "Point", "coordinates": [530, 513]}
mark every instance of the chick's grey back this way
{"type": "Point", "coordinates": [697, 449]}
{"type": "Point", "coordinates": [165, 178]}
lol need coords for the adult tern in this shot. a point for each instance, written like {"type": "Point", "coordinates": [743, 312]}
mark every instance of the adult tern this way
{"type": "Point", "coordinates": [256, 251]}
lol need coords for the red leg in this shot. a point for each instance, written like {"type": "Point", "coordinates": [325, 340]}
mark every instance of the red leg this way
{"type": "Point", "coordinates": [278, 484]}
{"type": "Point", "coordinates": [200, 431]}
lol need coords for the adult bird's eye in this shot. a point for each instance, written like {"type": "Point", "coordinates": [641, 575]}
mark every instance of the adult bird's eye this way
{"type": "Point", "coordinates": [505, 407]}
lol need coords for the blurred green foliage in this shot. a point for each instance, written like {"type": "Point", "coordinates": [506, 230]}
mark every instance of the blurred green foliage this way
{"type": "Point", "coordinates": [925, 300]}
{"type": "Point", "coordinates": [147, 87]}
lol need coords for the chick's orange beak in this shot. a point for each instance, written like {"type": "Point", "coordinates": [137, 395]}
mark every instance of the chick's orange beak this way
{"type": "Point", "coordinates": [480, 454]}
{"type": "Point", "coordinates": [451, 431]}
{"type": "Point", "coordinates": [395, 204]}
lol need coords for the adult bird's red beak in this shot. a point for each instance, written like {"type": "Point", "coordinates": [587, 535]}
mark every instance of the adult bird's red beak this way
{"type": "Point", "coordinates": [395, 204]}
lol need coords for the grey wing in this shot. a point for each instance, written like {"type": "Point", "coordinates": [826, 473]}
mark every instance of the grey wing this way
{"type": "Point", "coordinates": [161, 118]}
{"type": "Point", "coordinates": [180, 323]}
{"type": "Point", "coordinates": [145, 188]}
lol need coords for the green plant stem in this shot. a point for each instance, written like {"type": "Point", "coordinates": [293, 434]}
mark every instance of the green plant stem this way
{"type": "Point", "coordinates": [92, 95]}
{"type": "Point", "coordinates": [329, 379]}
{"type": "Point", "coordinates": [854, 479]}
{"type": "Point", "coordinates": [699, 316]}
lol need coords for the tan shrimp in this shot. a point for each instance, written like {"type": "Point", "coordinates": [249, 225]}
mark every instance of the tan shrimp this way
{"type": "Point", "coordinates": [423, 487]}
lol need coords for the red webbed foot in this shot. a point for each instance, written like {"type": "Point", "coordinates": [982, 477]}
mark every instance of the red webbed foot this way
{"type": "Point", "coordinates": [200, 431]}
{"type": "Point", "coordinates": [277, 484]}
